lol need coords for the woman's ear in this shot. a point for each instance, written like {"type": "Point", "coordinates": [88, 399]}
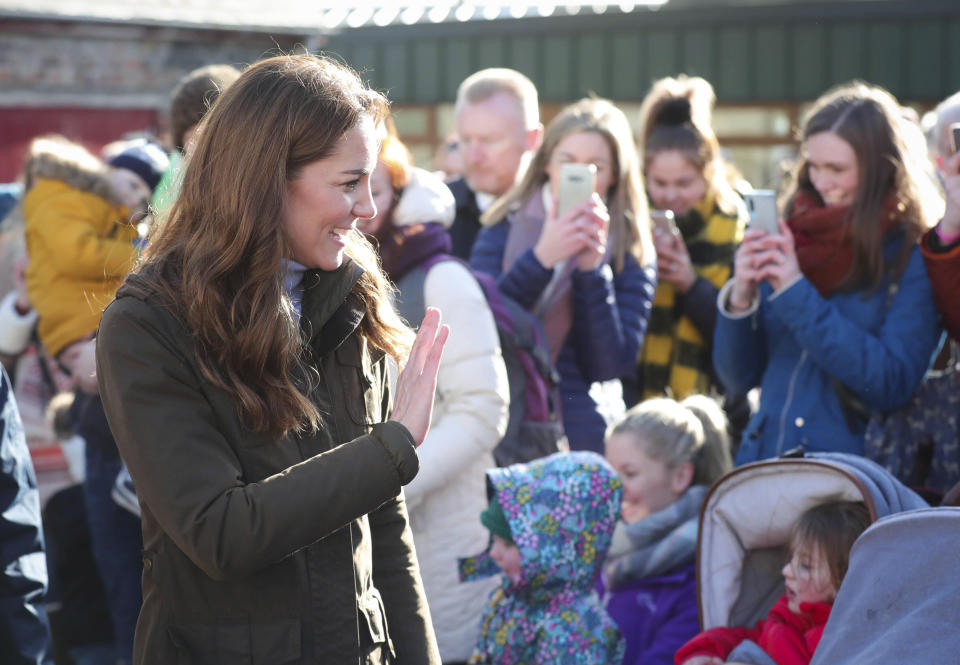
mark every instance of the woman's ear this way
{"type": "Point", "coordinates": [682, 477]}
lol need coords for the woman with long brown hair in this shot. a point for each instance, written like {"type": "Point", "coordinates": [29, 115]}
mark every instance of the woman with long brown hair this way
{"type": "Point", "coordinates": [242, 368]}
{"type": "Point", "coordinates": [833, 317]}
{"type": "Point", "coordinates": [588, 273]}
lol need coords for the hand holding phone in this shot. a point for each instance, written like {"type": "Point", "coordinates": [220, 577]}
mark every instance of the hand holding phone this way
{"type": "Point", "coordinates": [664, 223]}
{"type": "Point", "coordinates": [762, 205]}
{"type": "Point", "coordinates": [565, 233]}
{"type": "Point", "coordinates": [577, 182]}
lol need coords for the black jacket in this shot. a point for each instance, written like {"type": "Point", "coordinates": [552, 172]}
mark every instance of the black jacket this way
{"type": "Point", "coordinates": [466, 225]}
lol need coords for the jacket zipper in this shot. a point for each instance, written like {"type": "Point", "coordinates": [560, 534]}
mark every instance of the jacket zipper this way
{"type": "Point", "coordinates": [786, 404]}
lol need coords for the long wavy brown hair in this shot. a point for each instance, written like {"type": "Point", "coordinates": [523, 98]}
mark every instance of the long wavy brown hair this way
{"type": "Point", "coordinates": [629, 215]}
{"type": "Point", "coordinates": [216, 261]}
{"type": "Point", "coordinates": [867, 118]}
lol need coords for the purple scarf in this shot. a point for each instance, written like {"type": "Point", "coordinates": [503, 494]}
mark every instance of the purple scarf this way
{"type": "Point", "coordinates": [406, 247]}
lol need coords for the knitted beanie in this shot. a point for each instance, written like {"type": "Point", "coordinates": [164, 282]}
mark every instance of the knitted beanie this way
{"type": "Point", "coordinates": [496, 520]}
{"type": "Point", "coordinates": [146, 159]}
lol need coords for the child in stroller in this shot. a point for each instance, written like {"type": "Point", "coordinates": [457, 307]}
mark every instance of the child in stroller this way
{"type": "Point", "coordinates": [745, 528]}
{"type": "Point", "coordinates": [820, 550]}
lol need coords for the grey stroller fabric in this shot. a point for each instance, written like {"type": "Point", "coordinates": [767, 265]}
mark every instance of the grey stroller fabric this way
{"type": "Point", "coordinates": [889, 494]}
{"type": "Point", "coordinates": [900, 599]}
{"type": "Point", "coordinates": [750, 653]}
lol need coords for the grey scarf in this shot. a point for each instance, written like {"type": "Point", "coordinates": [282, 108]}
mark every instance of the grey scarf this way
{"type": "Point", "coordinates": [656, 544]}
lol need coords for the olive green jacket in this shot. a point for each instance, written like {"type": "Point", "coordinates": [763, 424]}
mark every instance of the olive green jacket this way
{"type": "Point", "coordinates": [259, 551]}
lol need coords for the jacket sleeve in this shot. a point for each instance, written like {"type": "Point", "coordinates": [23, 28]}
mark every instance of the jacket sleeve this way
{"type": "Point", "coordinates": [785, 644]}
{"type": "Point", "coordinates": [188, 475]}
{"type": "Point", "coordinates": [717, 642]}
{"type": "Point", "coordinates": [524, 281]}
{"type": "Point", "coordinates": [739, 346]}
{"type": "Point", "coordinates": [884, 368]}
{"type": "Point", "coordinates": [65, 226]}
{"type": "Point", "coordinates": [15, 328]}
{"type": "Point", "coordinates": [610, 316]}
{"type": "Point", "coordinates": [944, 270]}
{"type": "Point", "coordinates": [472, 382]}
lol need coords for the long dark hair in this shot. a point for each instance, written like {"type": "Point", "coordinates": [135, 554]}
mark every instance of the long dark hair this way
{"type": "Point", "coordinates": [217, 259]}
{"type": "Point", "coordinates": [867, 118]}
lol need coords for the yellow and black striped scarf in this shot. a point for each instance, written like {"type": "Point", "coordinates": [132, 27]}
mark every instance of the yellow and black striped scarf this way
{"type": "Point", "coordinates": [675, 359]}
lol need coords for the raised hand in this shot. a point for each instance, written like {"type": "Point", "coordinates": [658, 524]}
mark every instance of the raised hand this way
{"type": "Point", "coordinates": [417, 382]}
{"type": "Point", "coordinates": [950, 225]}
{"type": "Point", "coordinates": [565, 236]}
{"type": "Point", "coordinates": [595, 227]}
{"type": "Point", "coordinates": [782, 269]}
{"type": "Point", "coordinates": [746, 270]}
{"type": "Point", "coordinates": [673, 261]}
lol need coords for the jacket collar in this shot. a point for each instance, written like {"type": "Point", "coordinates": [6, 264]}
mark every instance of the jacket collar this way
{"type": "Point", "coordinates": [330, 310]}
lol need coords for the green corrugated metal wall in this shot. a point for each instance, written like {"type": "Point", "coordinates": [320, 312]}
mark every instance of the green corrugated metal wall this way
{"type": "Point", "coordinates": [752, 61]}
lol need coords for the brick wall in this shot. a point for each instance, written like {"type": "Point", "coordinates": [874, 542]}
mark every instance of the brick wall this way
{"type": "Point", "coordinates": [56, 76]}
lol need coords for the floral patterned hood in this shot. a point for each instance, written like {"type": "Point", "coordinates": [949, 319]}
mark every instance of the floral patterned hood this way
{"type": "Point", "coordinates": [562, 510]}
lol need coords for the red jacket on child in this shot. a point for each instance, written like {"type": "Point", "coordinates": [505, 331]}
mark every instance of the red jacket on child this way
{"type": "Point", "coordinates": [788, 638]}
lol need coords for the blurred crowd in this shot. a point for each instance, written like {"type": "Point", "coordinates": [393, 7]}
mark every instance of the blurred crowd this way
{"type": "Point", "coordinates": [611, 357]}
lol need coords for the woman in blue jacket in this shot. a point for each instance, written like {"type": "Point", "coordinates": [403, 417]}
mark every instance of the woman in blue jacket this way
{"type": "Point", "coordinates": [588, 274]}
{"type": "Point", "coordinates": [834, 317]}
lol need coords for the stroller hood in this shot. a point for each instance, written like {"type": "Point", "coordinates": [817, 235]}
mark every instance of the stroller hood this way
{"type": "Point", "coordinates": [747, 517]}
{"type": "Point", "coordinates": [900, 599]}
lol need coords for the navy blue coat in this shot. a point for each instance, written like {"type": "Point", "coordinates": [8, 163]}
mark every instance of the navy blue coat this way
{"type": "Point", "coordinates": [799, 346]}
{"type": "Point", "coordinates": [610, 314]}
{"type": "Point", "coordinates": [23, 569]}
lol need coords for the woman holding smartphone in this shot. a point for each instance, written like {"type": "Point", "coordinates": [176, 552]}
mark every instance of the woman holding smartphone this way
{"type": "Point", "coordinates": [587, 273]}
{"type": "Point", "coordinates": [833, 317]}
{"type": "Point", "coordinates": [685, 174]}
{"type": "Point", "coordinates": [243, 372]}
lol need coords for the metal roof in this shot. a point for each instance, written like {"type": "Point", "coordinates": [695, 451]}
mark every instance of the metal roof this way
{"type": "Point", "coordinates": [298, 16]}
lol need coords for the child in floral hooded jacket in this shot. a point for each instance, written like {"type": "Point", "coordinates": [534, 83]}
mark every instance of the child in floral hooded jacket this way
{"type": "Point", "coordinates": [551, 523]}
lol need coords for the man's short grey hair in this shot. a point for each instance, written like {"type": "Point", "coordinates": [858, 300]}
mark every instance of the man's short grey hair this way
{"type": "Point", "coordinates": [481, 85]}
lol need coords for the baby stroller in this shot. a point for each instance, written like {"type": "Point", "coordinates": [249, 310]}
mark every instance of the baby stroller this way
{"type": "Point", "coordinates": [900, 600]}
{"type": "Point", "coordinates": [746, 519]}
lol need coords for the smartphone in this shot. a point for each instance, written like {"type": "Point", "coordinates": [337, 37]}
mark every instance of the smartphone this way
{"type": "Point", "coordinates": [762, 204]}
{"type": "Point", "coordinates": [955, 136]}
{"type": "Point", "coordinates": [577, 182]}
{"type": "Point", "coordinates": [664, 222]}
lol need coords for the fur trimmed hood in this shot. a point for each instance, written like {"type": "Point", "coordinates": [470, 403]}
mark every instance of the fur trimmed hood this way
{"type": "Point", "coordinates": [426, 198]}
{"type": "Point", "coordinates": [57, 158]}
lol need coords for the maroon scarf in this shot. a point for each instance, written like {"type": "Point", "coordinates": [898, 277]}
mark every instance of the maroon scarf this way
{"type": "Point", "coordinates": [824, 241]}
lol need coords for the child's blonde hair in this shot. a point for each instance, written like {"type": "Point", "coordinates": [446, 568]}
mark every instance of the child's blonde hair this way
{"type": "Point", "coordinates": [832, 527]}
{"type": "Point", "coordinates": [694, 430]}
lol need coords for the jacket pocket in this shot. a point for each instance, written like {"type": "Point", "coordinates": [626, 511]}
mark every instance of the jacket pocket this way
{"type": "Point", "coordinates": [237, 642]}
{"type": "Point", "coordinates": [371, 607]}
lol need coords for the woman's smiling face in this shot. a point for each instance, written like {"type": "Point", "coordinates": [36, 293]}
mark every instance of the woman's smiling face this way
{"type": "Point", "coordinates": [832, 167]}
{"type": "Point", "coordinates": [328, 196]}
